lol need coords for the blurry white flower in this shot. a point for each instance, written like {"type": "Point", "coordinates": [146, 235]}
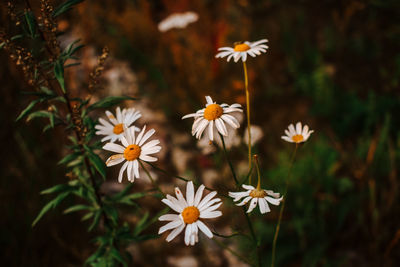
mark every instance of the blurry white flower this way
{"type": "Point", "coordinates": [260, 196]}
{"type": "Point", "coordinates": [242, 49]}
{"type": "Point", "coordinates": [190, 210]}
{"type": "Point", "coordinates": [113, 131]}
{"type": "Point", "coordinates": [132, 150]}
{"type": "Point", "coordinates": [256, 135]}
{"type": "Point", "coordinates": [214, 114]}
{"type": "Point", "coordinates": [177, 20]}
{"type": "Point", "coordinates": [298, 135]}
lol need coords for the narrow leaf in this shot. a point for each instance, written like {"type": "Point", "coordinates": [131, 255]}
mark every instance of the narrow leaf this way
{"type": "Point", "coordinates": [27, 110]}
{"type": "Point", "coordinates": [64, 7]}
{"type": "Point", "coordinates": [59, 73]}
{"type": "Point", "coordinates": [51, 205]}
{"type": "Point", "coordinates": [77, 208]}
{"type": "Point", "coordinates": [97, 163]}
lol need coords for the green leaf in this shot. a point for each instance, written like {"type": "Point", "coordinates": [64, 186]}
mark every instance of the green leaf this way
{"type": "Point", "coordinates": [38, 114]}
{"type": "Point", "coordinates": [56, 188]}
{"type": "Point", "coordinates": [68, 158]}
{"type": "Point", "coordinates": [116, 255]}
{"type": "Point", "coordinates": [51, 205]}
{"type": "Point", "coordinates": [109, 102]}
{"type": "Point", "coordinates": [77, 208]}
{"type": "Point", "coordinates": [27, 109]}
{"type": "Point", "coordinates": [59, 73]}
{"type": "Point", "coordinates": [141, 225]}
{"type": "Point", "coordinates": [112, 213]}
{"type": "Point", "coordinates": [30, 21]}
{"type": "Point", "coordinates": [97, 163]}
{"type": "Point", "coordinates": [87, 216]}
{"type": "Point", "coordinates": [64, 7]}
{"type": "Point", "coordinates": [95, 221]}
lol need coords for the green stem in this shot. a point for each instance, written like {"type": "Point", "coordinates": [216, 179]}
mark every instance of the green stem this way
{"type": "Point", "coordinates": [182, 178]}
{"type": "Point", "coordinates": [222, 245]}
{"type": "Point", "coordinates": [246, 84]}
{"type": "Point", "coordinates": [151, 178]}
{"type": "Point", "coordinates": [278, 226]}
{"type": "Point", "coordinates": [250, 225]}
{"type": "Point", "coordinates": [229, 162]}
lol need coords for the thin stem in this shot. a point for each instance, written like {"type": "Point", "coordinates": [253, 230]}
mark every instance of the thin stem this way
{"type": "Point", "coordinates": [181, 178]}
{"type": "Point", "coordinates": [229, 236]}
{"type": "Point", "coordinates": [278, 226]}
{"type": "Point", "coordinates": [229, 162]}
{"type": "Point", "coordinates": [250, 225]}
{"type": "Point", "coordinates": [151, 178]}
{"type": "Point", "coordinates": [222, 245]}
{"type": "Point", "coordinates": [246, 84]}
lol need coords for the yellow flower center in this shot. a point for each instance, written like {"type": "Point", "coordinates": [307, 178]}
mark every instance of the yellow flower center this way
{"type": "Point", "coordinates": [132, 152]}
{"type": "Point", "coordinates": [297, 138]}
{"type": "Point", "coordinates": [190, 214]}
{"type": "Point", "coordinates": [119, 128]}
{"type": "Point", "coordinates": [241, 47]}
{"type": "Point", "coordinates": [257, 193]}
{"type": "Point", "coordinates": [213, 112]}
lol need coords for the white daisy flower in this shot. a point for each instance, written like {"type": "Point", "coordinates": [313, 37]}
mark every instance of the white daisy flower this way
{"type": "Point", "coordinates": [190, 210]}
{"type": "Point", "coordinates": [177, 20]}
{"type": "Point", "coordinates": [260, 196]}
{"type": "Point", "coordinates": [214, 114]}
{"type": "Point", "coordinates": [242, 49]}
{"type": "Point", "coordinates": [298, 135]}
{"type": "Point", "coordinates": [114, 130]}
{"type": "Point", "coordinates": [132, 150]}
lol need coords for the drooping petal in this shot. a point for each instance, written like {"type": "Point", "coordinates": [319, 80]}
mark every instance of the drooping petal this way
{"type": "Point", "coordinates": [253, 204]}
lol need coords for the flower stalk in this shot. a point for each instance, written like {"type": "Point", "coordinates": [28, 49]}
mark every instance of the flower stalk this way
{"type": "Point", "coordinates": [246, 85]}
{"type": "Point", "coordinates": [278, 226]}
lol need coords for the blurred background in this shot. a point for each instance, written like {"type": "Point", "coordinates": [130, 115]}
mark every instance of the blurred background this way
{"type": "Point", "coordinates": [334, 65]}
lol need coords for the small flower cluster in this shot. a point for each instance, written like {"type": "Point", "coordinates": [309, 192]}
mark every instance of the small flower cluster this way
{"type": "Point", "coordinates": [133, 148]}
{"type": "Point", "coordinates": [214, 119]}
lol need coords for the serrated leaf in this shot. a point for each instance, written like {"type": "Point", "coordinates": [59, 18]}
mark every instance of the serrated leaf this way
{"type": "Point", "coordinates": [64, 7]}
{"type": "Point", "coordinates": [109, 102]}
{"type": "Point", "coordinates": [77, 208]}
{"type": "Point", "coordinates": [51, 205]}
{"type": "Point", "coordinates": [59, 74]}
{"type": "Point", "coordinates": [27, 109]}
